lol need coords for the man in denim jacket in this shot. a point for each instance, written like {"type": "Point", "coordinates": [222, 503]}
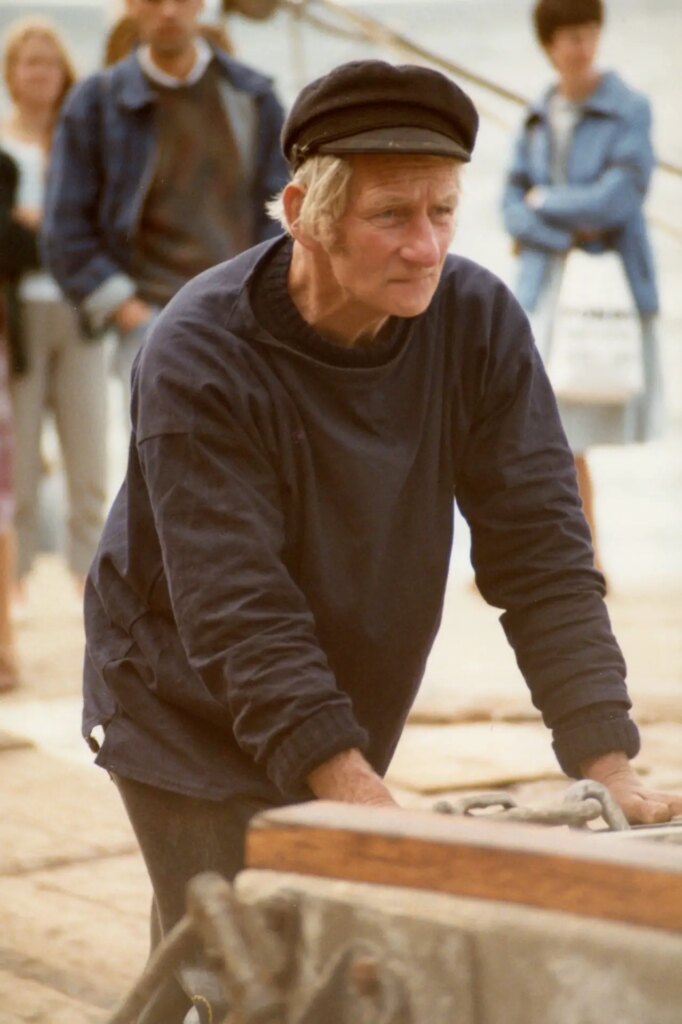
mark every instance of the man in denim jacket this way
{"type": "Point", "coordinates": [161, 167]}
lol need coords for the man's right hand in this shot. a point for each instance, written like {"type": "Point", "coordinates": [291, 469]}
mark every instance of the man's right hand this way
{"type": "Point", "coordinates": [131, 314]}
{"type": "Point", "coordinates": [349, 778]}
{"type": "Point", "coordinates": [28, 216]}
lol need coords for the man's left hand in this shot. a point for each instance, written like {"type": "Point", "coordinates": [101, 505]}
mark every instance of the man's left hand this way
{"type": "Point", "coordinates": [640, 805]}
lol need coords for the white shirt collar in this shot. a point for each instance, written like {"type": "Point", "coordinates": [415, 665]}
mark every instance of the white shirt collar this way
{"type": "Point", "coordinates": [203, 54]}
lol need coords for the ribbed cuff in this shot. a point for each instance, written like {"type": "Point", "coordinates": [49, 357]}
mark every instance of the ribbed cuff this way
{"type": "Point", "coordinates": [106, 299]}
{"type": "Point", "coordinates": [574, 745]}
{"type": "Point", "coordinates": [311, 744]}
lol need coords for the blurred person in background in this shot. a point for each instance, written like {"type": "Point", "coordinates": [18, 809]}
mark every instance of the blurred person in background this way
{"type": "Point", "coordinates": [55, 366]}
{"type": "Point", "coordinates": [162, 166]}
{"type": "Point", "coordinates": [124, 37]}
{"type": "Point", "coordinates": [8, 668]}
{"type": "Point", "coordinates": [18, 253]}
{"type": "Point", "coordinates": [579, 176]}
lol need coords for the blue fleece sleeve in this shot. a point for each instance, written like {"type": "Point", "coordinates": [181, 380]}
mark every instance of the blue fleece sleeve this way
{"type": "Point", "coordinates": [524, 224]}
{"type": "Point", "coordinates": [620, 189]}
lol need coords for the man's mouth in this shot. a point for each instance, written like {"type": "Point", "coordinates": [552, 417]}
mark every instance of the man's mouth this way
{"type": "Point", "coordinates": [421, 279]}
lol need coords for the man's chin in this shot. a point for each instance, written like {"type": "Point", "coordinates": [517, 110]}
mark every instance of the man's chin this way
{"type": "Point", "coordinates": [408, 305]}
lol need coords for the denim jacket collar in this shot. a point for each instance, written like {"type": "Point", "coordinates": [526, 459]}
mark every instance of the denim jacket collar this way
{"type": "Point", "coordinates": [606, 100]}
{"type": "Point", "coordinates": [135, 90]}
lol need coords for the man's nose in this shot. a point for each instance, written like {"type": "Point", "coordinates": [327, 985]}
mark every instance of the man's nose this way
{"type": "Point", "coordinates": [421, 245]}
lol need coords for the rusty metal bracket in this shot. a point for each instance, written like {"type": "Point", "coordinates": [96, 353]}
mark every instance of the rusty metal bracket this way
{"type": "Point", "coordinates": [236, 943]}
{"type": "Point", "coordinates": [248, 955]}
{"type": "Point", "coordinates": [357, 987]}
{"type": "Point", "coordinates": [250, 967]}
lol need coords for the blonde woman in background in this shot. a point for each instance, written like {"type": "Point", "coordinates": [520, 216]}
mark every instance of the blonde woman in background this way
{"type": "Point", "coordinates": [61, 370]}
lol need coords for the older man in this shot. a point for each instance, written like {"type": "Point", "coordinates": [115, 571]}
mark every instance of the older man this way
{"type": "Point", "coordinates": [161, 167]}
{"type": "Point", "coordinates": [272, 573]}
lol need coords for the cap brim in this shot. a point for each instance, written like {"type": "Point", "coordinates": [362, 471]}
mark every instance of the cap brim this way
{"type": "Point", "coordinates": [397, 140]}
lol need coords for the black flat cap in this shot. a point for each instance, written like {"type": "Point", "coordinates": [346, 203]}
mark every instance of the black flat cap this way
{"type": "Point", "coordinates": [369, 106]}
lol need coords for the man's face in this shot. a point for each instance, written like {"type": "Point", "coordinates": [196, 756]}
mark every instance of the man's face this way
{"type": "Point", "coordinates": [394, 236]}
{"type": "Point", "coordinates": [573, 49]}
{"type": "Point", "coordinates": [169, 26]}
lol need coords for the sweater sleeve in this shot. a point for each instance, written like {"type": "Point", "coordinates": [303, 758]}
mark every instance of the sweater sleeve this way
{"type": "Point", "coordinates": [592, 731]}
{"type": "Point", "coordinates": [71, 237]}
{"type": "Point", "coordinates": [531, 547]}
{"type": "Point", "coordinates": [243, 621]}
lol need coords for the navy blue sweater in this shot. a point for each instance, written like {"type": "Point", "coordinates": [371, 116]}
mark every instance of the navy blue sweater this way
{"type": "Point", "coordinates": [271, 576]}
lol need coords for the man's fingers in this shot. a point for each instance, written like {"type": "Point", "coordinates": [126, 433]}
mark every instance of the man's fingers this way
{"type": "Point", "coordinates": [673, 801]}
{"type": "Point", "coordinates": [656, 811]}
{"type": "Point", "coordinates": [643, 806]}
{"type": "Point", "coordinates": [646, 810]}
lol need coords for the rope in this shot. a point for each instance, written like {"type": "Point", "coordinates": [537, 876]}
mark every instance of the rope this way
{"type": "Point", "coordinates": [299, 9]}
{"type": "Point", "coordinates": [662, 225]}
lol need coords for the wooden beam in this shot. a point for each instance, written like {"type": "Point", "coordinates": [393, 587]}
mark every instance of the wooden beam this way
{"type": "Point", "coordinates": [639, 883]}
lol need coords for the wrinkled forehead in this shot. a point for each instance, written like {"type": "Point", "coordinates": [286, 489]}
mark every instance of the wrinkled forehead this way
{"type": "Point", "coordinates": [385, 175]}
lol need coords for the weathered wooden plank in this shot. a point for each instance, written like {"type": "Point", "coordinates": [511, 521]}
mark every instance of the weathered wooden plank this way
{"type": "Point", "coordinates": [54, 812]}
{"type": "Point", "coordinates": [25, 1001]}
{"type": "Point", "coordinates": [112, 886]}
{"type": "Point", "coordinates": [10, 741]}
{"type": "Point", "coordinates": [81, 935]}
{"type": "Point", "coordinates": [554, 869]}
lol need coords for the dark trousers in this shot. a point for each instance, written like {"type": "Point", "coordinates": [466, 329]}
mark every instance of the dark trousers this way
{"type": "Point", "coordinates": [181, 836]}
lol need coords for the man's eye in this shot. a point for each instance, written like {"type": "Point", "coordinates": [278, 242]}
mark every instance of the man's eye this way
{"type": "Point", "coordinates": [444, 211]}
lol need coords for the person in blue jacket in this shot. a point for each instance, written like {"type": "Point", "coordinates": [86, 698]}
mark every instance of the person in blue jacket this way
{"type": "Point", "coordinates": [271, 576]}
{"type": "Point", "coordinates": [579, 176]}
{"type": "Point", "coordinates": [161, 167]}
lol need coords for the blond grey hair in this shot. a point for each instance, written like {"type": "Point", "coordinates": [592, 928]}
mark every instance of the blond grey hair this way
{"type": "Point", "coordinates": [325, 183]}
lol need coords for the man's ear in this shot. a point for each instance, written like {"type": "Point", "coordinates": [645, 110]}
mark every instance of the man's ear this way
{"type": "Point", "coordinates": [292, 200]}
